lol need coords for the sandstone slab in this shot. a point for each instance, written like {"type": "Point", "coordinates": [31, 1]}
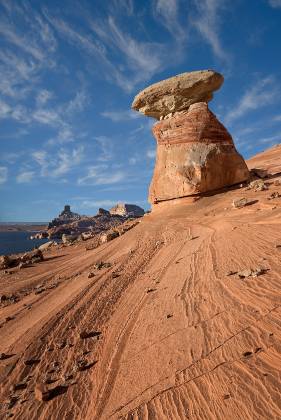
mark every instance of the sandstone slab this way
{"type": "Point", "coordinates": [177, 93]}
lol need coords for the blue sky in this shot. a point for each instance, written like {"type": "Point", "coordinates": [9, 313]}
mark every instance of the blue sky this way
{"type": "Point", "coordinates": [69, 72]}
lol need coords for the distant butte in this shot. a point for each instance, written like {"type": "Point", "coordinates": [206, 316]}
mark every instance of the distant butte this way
{"type": "Point", "coordinates": [195, 152]}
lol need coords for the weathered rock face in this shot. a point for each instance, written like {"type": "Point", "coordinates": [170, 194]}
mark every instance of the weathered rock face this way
{"type": "Point", "coordinates": [66, 216]}
{"type": "Point", "coordinates": [195, 154]}
{"type": "Point", "coordinates": [127, 210]}
{"type": "Point", "coordinates": [177, 93]}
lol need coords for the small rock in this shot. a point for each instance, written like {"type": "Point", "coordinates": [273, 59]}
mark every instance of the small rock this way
{"type": "Point", "coordinates": [240, 202]}
{"type": "Point", "coordinates": [90, 275]}
{"type": "Point", "coordinates": [12, 401]}
{"type": "Point", "coordinates": [83, 364]}
{"type": "Point", "coordinates": [252, 273]}
{"type": "Point", "coordinates": [24, 264]}
{"type": "Point", "coordinates": [46, 245]}
{"type": "Point", "coordinates": [99, 265]}
{"type": "Point", "coordinates": [44, 393]}
{"type": "Point", "coordinates": [39, 291]}
{"type": "Point", "coordinates": [108, 236]}
{"type": "Point", "coordinates": [30, 362]}
{"type": "Point", "coordinates": [261, 173]}
{"type": "Point", "coordinates": [19, 386]}
{"type": "Point", "coordinates": [5, 262]}
{"type": "Point", "coordinates": [274, 195]}
{"type": "Point", "coordinates": [150, 290]}
{"type": "Point", "coordinates": [276, 183]}
{"type": "Point", "coordinates": [3, 356]}
{"type": "Point", "coordinates": [88, 334]}
{"type": "Point", "coordinates": [247, 354]}
{"type": "Point", "coordinates": [258, 185]}
{"type": "Point", "coordinates": [231, 273]}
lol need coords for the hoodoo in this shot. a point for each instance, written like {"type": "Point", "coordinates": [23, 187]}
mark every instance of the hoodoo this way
{"type": "Point", "coordinates": [195, 152]}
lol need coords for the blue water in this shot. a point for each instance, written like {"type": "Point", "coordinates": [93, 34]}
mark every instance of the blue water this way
{"type": "Point", "coordinates": [14, 242]}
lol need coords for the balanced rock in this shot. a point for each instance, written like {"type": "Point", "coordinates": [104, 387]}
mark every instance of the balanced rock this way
{"type": "Point", "coordinates": [177, 93]}
{"type": "Point", "coordinates": [195, 152]}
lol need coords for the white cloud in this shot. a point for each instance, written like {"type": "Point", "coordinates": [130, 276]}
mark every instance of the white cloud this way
{"type": "Point", "coordinates": [18, 112]}
{"type": "Point", "coordinates": [141, 60]}
{"type": "Point", "coordinates": [151, 153]}
{"type": "Point", "coordinates": [117, 116]}
{"type": "Point", "coordinates": [64, 135]}
{"type": "Point", "coordinates": [78, 103]}
{"type": "Point", "coordinates": [97, 203]}
{"type": "Point", "coordinates": [43, 96]}
{"type": "Point", "coordinates": [25, 177]}
{"type": "Point", "coordinates": [167, 13]}
{"type": "Point", "coordinates": [262, 93]}
{"type": "Point", "coordinates": [272, 139]}
{"type": "Point", "coordinates": [274, 3]}
{"type": "Point", "coordinates": [102, 175]}
{"type": "Point", "coordinates": [126, 6]}
{"type": "Point", "coordinates": [106, 148]}
{"type": "Point", "coordinates": [22, 42]}
{"type": "Point", "coordinates": [60, 163]}
{"type": "Point", "coordinates": [207, 22]}
{"type": "Point", "coordinates": [3, 174]}
{"type": "Point", "coordinates": [277, 118]}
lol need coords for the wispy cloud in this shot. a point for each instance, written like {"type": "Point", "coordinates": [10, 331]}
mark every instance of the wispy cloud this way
{"type": "Point", "coordinates": [102, 175]}
{"type": "Point", "coordinates": [167, 13]}
{"type": "Point", "coordinates": [207, 22]}
{"type": "Point", "coordinates": [25, 177]}
{"type": "Point", "coordinates": [3, 174]}
{"type": "Point", "coordinates": [117, 116]}
{"type": "Point", "coordinates": [60, 163]}
{"type": "Point", "coordinates": [43, 96]}
{"type": "Point", "coordinates": [262, 93]}
{"type": "Point", "coordinates": [105, 148]}
{"type": "Point", "coordinates": [275, 3]}
{"type": "Point", "coordinates": [140, 59]}
{"type": "Point", "coordinates": [97, 203]}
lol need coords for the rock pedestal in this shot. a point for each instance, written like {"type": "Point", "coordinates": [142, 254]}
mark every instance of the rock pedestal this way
{"type": "Point", "coordinates": [195, 152]}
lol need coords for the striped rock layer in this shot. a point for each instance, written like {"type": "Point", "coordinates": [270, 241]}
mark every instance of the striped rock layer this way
{"type": "Point", "coordinates": [195, 154]}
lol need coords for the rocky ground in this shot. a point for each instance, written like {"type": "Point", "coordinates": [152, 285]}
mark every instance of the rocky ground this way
{"type": "Point", "coordinates": [177, 318]}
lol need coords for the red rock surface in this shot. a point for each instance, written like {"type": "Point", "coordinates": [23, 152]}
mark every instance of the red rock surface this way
{"type": "Point", "coordinates": [195, 154]}
{"type": "Point", "coordinates": [173, 332]}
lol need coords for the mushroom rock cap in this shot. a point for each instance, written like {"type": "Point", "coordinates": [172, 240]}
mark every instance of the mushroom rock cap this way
{"type": "Point", "coordinates": [177, 93]}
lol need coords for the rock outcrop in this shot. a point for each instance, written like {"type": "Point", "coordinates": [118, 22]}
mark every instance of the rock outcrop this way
{"type": "Point", "coordinates": [66, 216]}
{"type": "Point", "coordinates": [195, 152]}
{"type": "Point", "coordinates": [126, 210]}
{"type": "Point", "coordinates": [69, 226]}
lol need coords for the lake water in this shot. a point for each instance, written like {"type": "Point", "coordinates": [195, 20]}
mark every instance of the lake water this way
{"type": "Point", "coordinates": [14, 242]}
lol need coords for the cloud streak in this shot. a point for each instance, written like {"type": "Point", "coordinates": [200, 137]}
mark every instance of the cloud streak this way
{"type": "Point", "coordinates": [262, 93]}
{"type": "Point", "coordinates": [207, 22]}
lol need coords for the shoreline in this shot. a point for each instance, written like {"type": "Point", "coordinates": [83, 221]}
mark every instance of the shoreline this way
{"type": "Point", "coordinates": [21, 227]}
